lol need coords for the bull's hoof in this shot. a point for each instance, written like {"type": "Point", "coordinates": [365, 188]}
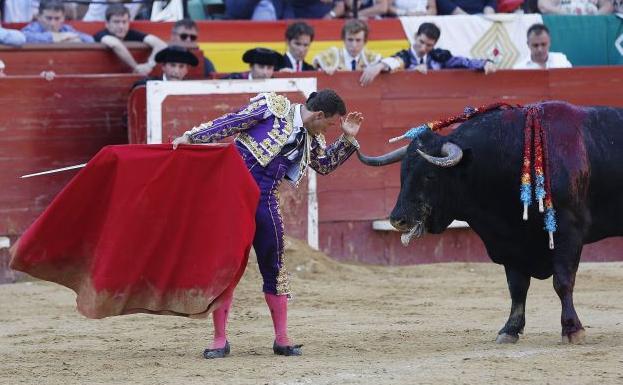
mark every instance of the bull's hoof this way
{"type": "Point", "coordinates": [504, 338]}
{"type": "Point", "coordinates": [577, 337]}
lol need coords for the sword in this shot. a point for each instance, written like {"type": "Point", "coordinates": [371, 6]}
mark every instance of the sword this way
{"type": "Point", "coordinates": [54, 171]}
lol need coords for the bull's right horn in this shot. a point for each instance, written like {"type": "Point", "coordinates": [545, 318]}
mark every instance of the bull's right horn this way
{"type": "Point", "coordinates": [382, 160]}
{"type": "Point", "coordinates": [452, 155]}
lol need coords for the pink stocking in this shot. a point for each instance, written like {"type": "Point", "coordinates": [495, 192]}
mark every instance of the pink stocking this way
{"type": "Point", "coordinates": [278, 305]}
{"type": "Point", "coordinates": [219, 317]}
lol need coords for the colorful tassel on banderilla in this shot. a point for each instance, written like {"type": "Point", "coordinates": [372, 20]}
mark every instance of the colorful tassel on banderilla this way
{"type": "Point", "coordinates": [437, 125]}
{"type": "Point", "coordinates": [535, 138]}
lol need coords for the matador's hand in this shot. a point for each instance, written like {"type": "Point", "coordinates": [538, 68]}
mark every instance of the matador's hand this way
{"type": "Point", "coordinates": [184, 139]}
{"type": "Point", "coordinates": [351, 123]}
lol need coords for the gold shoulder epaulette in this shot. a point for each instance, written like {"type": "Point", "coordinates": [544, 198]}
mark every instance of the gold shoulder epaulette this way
{"type": "Point", "coordinates": [278, 105]}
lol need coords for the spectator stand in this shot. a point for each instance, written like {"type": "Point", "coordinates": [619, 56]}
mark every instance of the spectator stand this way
{"type": "Point", "coordinates": [225, 42]}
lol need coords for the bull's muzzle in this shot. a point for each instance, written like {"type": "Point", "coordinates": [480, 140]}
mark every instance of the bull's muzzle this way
{"type": "Point", "coordinates": [408, 232]}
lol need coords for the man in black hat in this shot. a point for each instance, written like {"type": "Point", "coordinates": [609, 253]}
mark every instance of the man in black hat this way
{"type": "Point", "coordinates": [175, 61]}
{"type": "Point", "coordinates": [262, 63]}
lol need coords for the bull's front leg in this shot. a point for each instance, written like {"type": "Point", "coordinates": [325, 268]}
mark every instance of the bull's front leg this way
{"type": "Point", "coordinates": [566, 261]}
{"type": "Point", "coordinates": [518, 284]}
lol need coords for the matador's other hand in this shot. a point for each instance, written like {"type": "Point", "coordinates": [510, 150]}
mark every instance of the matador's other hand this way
{"type": "Point", "coordinates": [184, 139]}
{"type": "Point", "coordinates": [351, 123]}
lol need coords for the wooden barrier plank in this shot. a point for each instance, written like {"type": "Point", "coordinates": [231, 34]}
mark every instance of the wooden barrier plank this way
{"type": "Point", "coordinates": [66, 59]}
{"type": "Point", "coordinates": [53, 124]}
{"type": "Point", "coordinates": [464, 84]}
{"type": "Point", "coordinates": [31, 59]}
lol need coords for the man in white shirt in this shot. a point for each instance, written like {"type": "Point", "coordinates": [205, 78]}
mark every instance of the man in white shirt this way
{"type": "Point", "coordinates": [539, 42]}
{"type": "Point", "coordinates": [353, 56]}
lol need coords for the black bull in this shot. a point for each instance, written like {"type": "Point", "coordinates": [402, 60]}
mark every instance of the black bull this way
{"type": "Point", "coordinates": [473, 175]}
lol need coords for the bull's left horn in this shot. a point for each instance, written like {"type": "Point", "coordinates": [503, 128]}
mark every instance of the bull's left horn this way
{"type": "Point", "coordinates": [389, 158]}
{"type": "Point", "coordinates": [452, 155]}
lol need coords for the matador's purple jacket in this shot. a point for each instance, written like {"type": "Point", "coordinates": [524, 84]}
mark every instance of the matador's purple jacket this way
{"type": "Point", "coordinates": [264, 126]}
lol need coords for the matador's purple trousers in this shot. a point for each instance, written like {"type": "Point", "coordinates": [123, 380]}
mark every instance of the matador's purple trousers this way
{"type": "Point", "coordinates": [269, 236]}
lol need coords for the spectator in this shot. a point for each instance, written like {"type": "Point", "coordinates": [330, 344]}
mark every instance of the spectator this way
{"type": "Point", "coordinates": [618, 6]}
{"type": "Point", "coordinates": [185, 33]}
{"type": "Point", "coordinates": [465, 7]}
{"type": "Point", "coordinates": [20, 11]}
{"type": "Point", "coordinates": [299, 37]}
{"type": "Point", "coordinates": [353, 56]}
{"type": "Point", "coordinates": [264, 10]}
{"type": "Point", "coordinates": [539, 42]}
{"type": "Point", "coordinates": [262, 63]}
{"type": "Point", "coordinates": [576, 7]}
{"type": "Point", "coordinates": [309, 9]}
{"type": "Point", "coordinates": [365, 8]}
{"type": "Point", "coordinates": [175, 61]}
{"type": "Point", "coordinates": [413, 7]}
{"type": "Point", "coordinates": [11, 36]}
{"type": "Point", "coordinates": [50, 26]}
{"type": "Point", "coordinates": [423, 56]}
{"type": "Point", "coordinates": [97, 12]}
{"type": "Point", "coordinates": [118, 30]}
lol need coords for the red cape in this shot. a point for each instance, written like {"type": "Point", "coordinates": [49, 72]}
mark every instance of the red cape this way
{"type": "Point", "coordinates": [147, 229]}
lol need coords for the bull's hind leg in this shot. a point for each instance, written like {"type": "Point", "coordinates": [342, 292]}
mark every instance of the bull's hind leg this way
{"type": "Point", "coordinates": [566, 261]}
{"type": "Point", "coordinates": [518, 284]}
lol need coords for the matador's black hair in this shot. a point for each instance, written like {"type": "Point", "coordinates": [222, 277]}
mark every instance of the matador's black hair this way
{"type": "Point", "coordinates": [327, 101]}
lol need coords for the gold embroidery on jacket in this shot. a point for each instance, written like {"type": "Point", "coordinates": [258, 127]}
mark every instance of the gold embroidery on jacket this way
{"type": "Point", "coordinates": [227, 120]}
{"type": "Point", "coordinates": [266, 151]}
{"type": "Point", "coordinates": [279, 105]}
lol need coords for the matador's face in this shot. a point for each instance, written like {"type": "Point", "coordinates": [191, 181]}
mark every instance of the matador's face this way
{"type": "Point", "coordinates": [322, 125]}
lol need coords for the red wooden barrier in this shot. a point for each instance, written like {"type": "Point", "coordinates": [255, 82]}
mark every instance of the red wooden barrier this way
{"type": "Point", "coordinates": [65, 59]}
{"type": "Point", "coordinates": [51, 124]}
{"type": "Point", "coordinates": [137, 115]}
{"type": "Point", "coordinates": [391, 105]}
{"type": "Point", "coordinates": [64, 122]}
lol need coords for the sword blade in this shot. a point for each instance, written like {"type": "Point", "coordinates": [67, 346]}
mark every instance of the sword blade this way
{"type": "Point", "coordinates": [54, 171]}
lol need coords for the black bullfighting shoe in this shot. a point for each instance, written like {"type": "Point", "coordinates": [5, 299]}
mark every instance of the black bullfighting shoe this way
{"type": "Point", "coordinates": [217, 353]}
{"type": "Point", "coordinates": [288, 350]}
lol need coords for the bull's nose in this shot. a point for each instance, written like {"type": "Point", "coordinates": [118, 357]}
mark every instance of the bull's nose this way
{"type": "Point", "coordinates": [399, 223]}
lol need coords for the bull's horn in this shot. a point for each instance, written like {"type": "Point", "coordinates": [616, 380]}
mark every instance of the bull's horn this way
{"type": "Point", "coordinates": [452, 155]}
{"type": "Point", "coordinates": [389, 158]}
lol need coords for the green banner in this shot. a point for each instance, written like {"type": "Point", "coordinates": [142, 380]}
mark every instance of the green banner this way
{"type": "Point", "coordinates": [587, 40]}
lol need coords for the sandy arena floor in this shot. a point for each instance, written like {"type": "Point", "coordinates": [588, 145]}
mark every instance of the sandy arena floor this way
{"type": "Point", "coordinates": [427, 324]}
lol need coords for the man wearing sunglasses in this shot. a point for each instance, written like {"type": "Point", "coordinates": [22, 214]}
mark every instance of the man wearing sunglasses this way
{"type": "Point", "coordinates": [185, 33]}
